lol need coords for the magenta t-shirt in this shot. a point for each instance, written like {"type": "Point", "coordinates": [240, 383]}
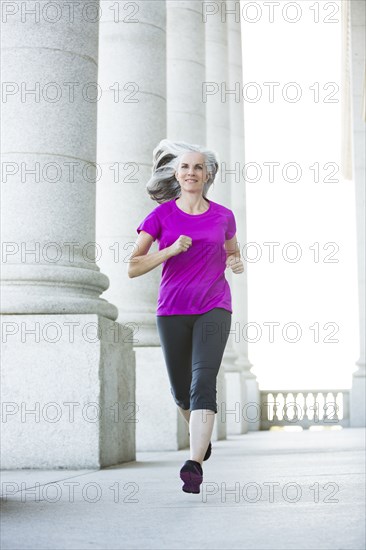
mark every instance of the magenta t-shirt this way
{"type": "Point", "coordinates": [192, 282]}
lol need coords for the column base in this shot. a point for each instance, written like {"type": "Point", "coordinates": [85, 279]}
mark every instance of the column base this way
{"type": "Point", "coordinates": [68, 392]}
{"type": "Point", "coordinates": [253, 410]}
{"type": "Point", "coordinates": [358, 399]}
{"type": "Point", "coordinates": [160, 426]}
{"type": "Point", "coordinates": [235, 408]}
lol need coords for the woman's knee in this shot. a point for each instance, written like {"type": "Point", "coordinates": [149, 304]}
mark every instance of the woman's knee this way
{"type": "Point", "coordinates": [182, 401]}
{"type": "Point", "coordinates": [204, 406]}
{"type": "Point", "coordinates": [203, 390]}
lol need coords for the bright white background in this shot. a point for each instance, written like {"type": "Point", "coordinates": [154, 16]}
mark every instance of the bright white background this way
{"type": "Point", "coordinates": [306, 292]}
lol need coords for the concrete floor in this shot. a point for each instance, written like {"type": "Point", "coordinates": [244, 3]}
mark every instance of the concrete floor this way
{"type": "Point", "coordinates": [273, 490]}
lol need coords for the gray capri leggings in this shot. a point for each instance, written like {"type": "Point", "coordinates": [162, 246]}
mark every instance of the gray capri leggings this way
{"type": "Point", "coordinates": [193, 347]}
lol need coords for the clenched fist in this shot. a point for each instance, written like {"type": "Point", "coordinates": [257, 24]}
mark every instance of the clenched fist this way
{"type": "Point", "coordinates": [181, 245]}
{"type": "Point", "coordinates": [234, 263]}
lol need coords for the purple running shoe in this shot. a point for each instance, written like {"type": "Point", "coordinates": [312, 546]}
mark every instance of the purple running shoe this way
{"type": "Point", "coordinates": [192, 475]}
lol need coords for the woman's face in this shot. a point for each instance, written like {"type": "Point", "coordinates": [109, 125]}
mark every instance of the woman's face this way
{"type": "Point", "coordinates": [192, 172]}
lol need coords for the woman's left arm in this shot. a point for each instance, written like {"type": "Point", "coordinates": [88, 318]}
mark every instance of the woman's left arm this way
{"type": "Point", "coordinates": [233, 258]}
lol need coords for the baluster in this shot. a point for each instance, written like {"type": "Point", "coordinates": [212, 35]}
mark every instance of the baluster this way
{"type": "Point", "coordinates": [306, 408]}
{"type": "Point", "coordinates": [316, 407]}
{"type": "Point", "coordinates": [268, 416]}
{"type": "Point", "coordinates": [339, 402]}
{"type": "Point", "coordinates": [275, 417]}
{"type": "Point", "coordinates": [300, 403]}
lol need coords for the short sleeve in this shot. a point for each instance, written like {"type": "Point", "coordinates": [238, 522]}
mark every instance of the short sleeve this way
{"type": "Point", "coordinates": [151, 224]}
{"type": "Point", "coordinates": [231, 226]}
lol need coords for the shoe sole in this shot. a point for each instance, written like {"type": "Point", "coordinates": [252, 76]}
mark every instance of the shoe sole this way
{"type": "Point", "coordinates": [192, 481]}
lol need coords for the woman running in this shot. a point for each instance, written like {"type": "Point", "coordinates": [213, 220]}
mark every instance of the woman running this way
{"type": "Point", "coordinates": [197, 242]}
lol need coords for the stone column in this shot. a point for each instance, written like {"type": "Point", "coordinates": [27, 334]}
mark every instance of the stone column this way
{"type": "Point", "coordinates": [218, 139]}
{"type": "Point", "coordinates": [186, 113]}
{"type": "Point", "coordinates": [131, 122]}
{"type": "Point", "coordinates": [185, 71]}
{"type": "Point", "coordinates": [353, 20]}
{"type": "Point", "coordinates": [61, 345]}
{"type": "Point", "coordinates": [242, 385]}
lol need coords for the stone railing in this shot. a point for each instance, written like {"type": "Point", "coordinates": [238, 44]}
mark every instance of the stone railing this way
{"type": "Point", "coordinates": [304, 408]}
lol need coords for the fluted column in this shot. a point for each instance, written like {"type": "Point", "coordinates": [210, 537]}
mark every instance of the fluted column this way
{"type": "Point", "coordinates": [218, 139]}
{"type": "Point", "coordinates": [353, 156]}
{"type": "Point", "coordinates": [131, 122]}
{"type": "Point", "coordinates": [48, 160]}
{"type": "Point", "coordinates": [242, 390]}
{"type": "Point", "coordinates": [185, 71]}
{"type": "Point", "coordinates": [66, 366]}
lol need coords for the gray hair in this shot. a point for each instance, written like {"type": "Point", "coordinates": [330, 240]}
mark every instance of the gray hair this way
{"type": "Point", "coordinates": [163, 185]}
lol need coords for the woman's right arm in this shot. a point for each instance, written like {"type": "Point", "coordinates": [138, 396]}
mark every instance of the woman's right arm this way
{"type": "Point", "coordinates": [141, 262]}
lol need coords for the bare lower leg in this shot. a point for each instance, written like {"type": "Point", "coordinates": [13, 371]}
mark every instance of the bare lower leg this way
{"type": "Point", "coordinates": [201, 425]}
